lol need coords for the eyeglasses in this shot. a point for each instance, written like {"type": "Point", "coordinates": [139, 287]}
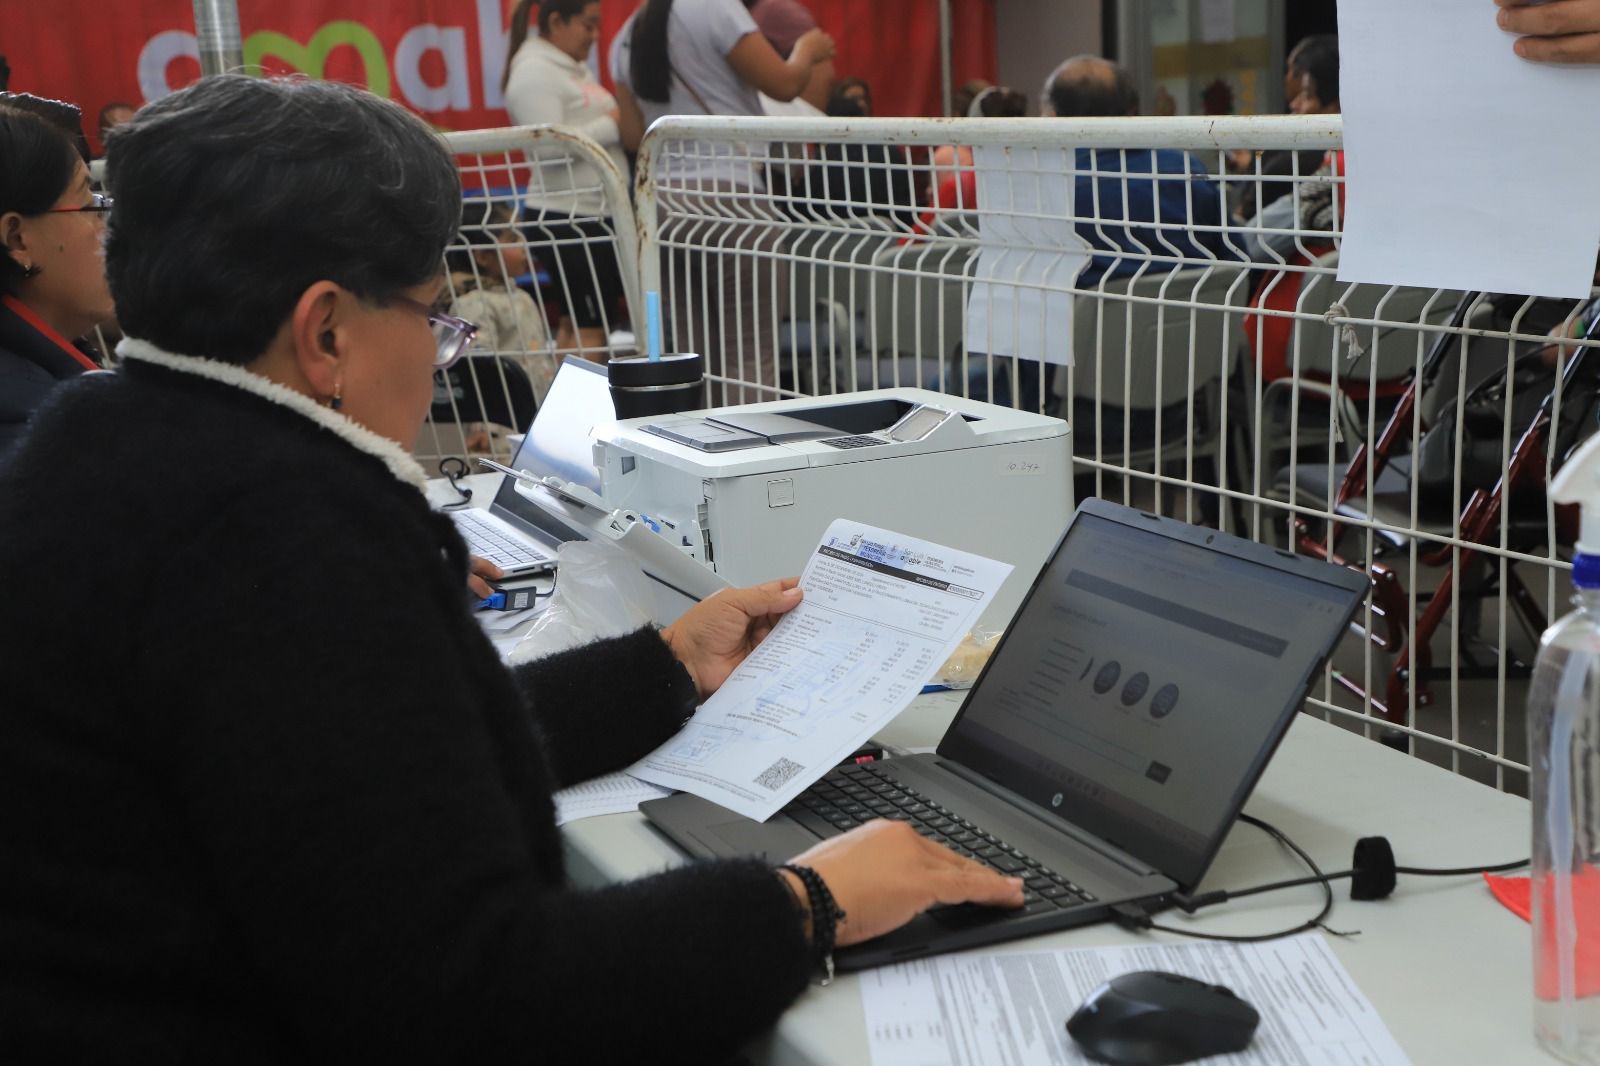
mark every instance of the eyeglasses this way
{"type": "Point", "coordinates": [452, 335]}
{"type": "Point", "coordinates": [98, 204]}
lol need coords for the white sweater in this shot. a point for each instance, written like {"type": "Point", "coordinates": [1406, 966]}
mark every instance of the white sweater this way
{"type": "Point", "coordinates": [549, 87]}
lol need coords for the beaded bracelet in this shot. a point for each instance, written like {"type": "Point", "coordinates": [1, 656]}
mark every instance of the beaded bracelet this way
{"type": "Point", "coordinates": [825, 915]}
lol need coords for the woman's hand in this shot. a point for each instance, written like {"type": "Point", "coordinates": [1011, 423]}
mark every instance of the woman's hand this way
{"type": "Point", "coordinates": [479, 573]}
{"type": "Point", "coordinates": [816, 46]}
{"type": "Point", "coordinates": [714, 636]}
{"type": "Point", "coordinates": [1561, 31]}
{"type": "Point", "coordinates": [883, 874]}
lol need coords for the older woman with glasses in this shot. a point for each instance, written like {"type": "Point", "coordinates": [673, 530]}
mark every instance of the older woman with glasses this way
{"type": "Point", "coordinates": [293, 807]}
{"type": "Point", "coordinates": [52, 278]}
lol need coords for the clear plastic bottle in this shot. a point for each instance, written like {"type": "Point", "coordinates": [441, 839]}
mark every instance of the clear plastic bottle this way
{"type": "Point", "coordinates": [1564, 750]}
{"type": "Point", "coordinates": [1564, 786]}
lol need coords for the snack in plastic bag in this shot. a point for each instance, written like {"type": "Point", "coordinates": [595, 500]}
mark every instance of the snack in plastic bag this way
{"type": "Point", "coordinates": [600, 592]}
{"type": "Point", "coordinates": [967, 661]}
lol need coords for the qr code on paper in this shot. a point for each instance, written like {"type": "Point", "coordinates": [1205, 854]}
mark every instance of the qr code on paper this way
{"type": "Point", "coordinates": [777, 775]}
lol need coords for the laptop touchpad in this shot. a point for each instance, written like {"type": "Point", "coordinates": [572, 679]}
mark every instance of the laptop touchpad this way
{"type": "Point", "coordinates": [778, 839]}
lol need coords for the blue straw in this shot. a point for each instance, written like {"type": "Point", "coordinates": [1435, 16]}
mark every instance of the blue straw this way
{"type": "Point", "coordinates": [652, 309]}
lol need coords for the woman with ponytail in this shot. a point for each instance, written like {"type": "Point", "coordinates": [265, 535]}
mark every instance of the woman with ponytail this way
{"type": "Point", "coordinates": [548, 82]}
{"type": "Point", "coordinates": [708, 57]}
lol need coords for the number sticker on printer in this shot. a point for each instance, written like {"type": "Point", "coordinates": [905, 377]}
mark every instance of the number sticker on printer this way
{"type": "Point", "coordinates": [1022, 468]}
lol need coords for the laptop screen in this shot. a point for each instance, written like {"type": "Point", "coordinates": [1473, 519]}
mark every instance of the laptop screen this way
{"type": "Point", "coordinates": [558, 443]}
{"type": "Point", "coordinates": [1147, 679]}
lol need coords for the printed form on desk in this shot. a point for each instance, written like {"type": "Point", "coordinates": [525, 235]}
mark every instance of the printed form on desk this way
{"type": "Point", "coordinates": [1011, 1008]}
{"type": "Point", "coordinates": [881, 613]}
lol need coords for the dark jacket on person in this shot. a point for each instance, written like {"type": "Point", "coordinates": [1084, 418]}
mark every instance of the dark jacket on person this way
{"type": "Point", "coordinates": [267, 793]}
{"type": "Point", "coordinates": [1138, 203]}
{"type": "Point", "coordinates": [32, 363]}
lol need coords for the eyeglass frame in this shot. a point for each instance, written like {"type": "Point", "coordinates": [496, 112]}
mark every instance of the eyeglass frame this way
{"type": "Point", "coordinates": [452, 335]}
{"type": "Point", "coordinates": [99, 204]}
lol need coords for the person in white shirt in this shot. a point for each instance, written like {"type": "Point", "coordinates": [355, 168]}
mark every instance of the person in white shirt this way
{"type": "Point", "coordinates": [709, 57]}
{"type": "Point", "coordinates": [548, 82]}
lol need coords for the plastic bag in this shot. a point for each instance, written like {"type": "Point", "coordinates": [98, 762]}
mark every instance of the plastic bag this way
{"type": "Point", "coordinates": [968, 660]}
{"type": "Point", "coordinates": [600, 592]}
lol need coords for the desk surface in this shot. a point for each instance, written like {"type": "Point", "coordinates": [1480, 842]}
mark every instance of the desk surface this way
{"type": "Point", "coordinates": [1447, 967]}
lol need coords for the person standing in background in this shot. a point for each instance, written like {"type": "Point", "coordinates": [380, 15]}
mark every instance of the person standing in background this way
{"type": "Point", "coordinates": [708, 57]}
{"type": "Point", "coordinates": [548, 82]}
{"type": "Point", "coordinates": [783, 23]}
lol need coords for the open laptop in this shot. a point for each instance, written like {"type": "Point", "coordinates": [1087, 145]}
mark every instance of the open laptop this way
{"type": "Point", "coordinates": [1108, 745]}
{"type": "Point", "coordinates": [515, 532]}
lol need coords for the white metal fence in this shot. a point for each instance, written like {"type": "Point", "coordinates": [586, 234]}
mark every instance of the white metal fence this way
{"type": "Point", "coordinates": [1219, 370]}
{"type": "Point", "coordinates": [546, 266]}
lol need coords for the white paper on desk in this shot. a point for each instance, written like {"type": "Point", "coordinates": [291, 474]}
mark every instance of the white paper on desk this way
{"type": "Point", "coordinates": [881, 613]}
{"type": "Point", "coordinates": [1011, 1009]}
{"type": "Point", "coordinates": [1028, 254]}
{"type": "Point", "coordinates": [1469, 168]}
{"type": "Point", "coordinates": [611, 794]}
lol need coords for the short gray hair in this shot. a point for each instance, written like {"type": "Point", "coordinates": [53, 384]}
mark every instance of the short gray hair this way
{"type": "Point", "coordinates": [237, 194]}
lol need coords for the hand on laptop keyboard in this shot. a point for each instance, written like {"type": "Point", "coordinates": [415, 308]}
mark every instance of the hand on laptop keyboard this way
{"type": "Point", "coordinates": [479, 573]}
{"type": "Point", "coordinates": [883, 874]}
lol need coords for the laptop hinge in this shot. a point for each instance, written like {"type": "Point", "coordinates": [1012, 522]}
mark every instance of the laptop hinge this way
{"type": "Point", "coordinates": [1026, 806]}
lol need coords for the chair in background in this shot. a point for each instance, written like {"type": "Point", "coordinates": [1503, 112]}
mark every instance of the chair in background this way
{"type": "Point", "coordinates": [919, 305]}
{"type": "Point", "coordinates": [1146, 385]}
{"type": "Point", "coordinates": [479, 392]}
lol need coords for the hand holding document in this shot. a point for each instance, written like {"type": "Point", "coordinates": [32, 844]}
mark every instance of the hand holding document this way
{"type": "Point", "coordinates": [881, 613]}
{"type": "Point", "coordinates": [1011, 1009]}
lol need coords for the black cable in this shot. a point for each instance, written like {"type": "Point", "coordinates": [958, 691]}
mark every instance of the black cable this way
{"type": "Point", "coordinates": [455, 469]}
{"type": "Point", "coordinates": [1256, 938]}
{"type": "Point", "coordinates": [1375, 879]}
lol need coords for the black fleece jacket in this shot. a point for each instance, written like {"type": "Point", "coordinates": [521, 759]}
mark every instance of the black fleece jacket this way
{"type": "Point", "coordinates": [268, 795]}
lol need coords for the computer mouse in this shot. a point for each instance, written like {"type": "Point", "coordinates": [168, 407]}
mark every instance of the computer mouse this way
{"type": "Point", "coordinates": [1150, 1018]}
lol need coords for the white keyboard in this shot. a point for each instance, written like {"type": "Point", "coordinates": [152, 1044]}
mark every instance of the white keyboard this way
{"type": "Point", "coordinates": [489, 539]}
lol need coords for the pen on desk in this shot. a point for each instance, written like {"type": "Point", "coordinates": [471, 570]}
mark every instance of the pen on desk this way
{"type": "Point", "coordinates": [933, 688]}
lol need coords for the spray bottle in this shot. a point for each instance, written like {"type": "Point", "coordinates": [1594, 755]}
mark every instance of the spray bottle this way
{"type": "Point", "coordinates": [1564, 757]}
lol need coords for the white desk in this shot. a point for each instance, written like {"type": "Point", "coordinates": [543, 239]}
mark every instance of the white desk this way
{"type": "Point", "coordinates": [1448, 968]}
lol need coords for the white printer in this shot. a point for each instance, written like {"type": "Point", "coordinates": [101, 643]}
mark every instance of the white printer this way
{"type": "Point", "coordinates": [750, 490]}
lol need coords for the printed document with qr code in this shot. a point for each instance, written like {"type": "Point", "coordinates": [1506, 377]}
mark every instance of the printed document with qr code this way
{"type": "Point", "coordinates": [881, 613]}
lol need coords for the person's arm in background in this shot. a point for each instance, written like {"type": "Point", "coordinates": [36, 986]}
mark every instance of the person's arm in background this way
{"type": "Point", "coordinates": [821, 83]}
{"type": "Point", "coordinates": [630, 120]}
{"type": "Point", "coordinates": [755, 60]}
{"type": "Point", "coordinates": [1561, 31]}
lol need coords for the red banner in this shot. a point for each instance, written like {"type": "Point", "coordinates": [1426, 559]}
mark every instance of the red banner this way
{"type": "Point", "coordinates": [443, 58]}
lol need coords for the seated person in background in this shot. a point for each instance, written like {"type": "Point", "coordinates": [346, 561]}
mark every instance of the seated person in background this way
{"type": "Point", "coordinates": [111, 116]}
{"type": "Point", "coordinates": [1560, 31]}
{"type": "Point", "coordinates": [1310, 87]}
{"type": "Point", "coordinates": [1314, 70]}
{"type": "Point", "coordinates": [966, 92]}
{"type": "Point", "coordinates": [1159, 210]}
{"type": "Point", "coordinates": [489, 256]}
{"type": "Point", "coordinates": [863, 179]}
{"type": "Point", "coordinates": [302, 812]}
{"type": "Point", "coordinates": [52, 278]}
{"type": "Point", "coordinates": [955, 186]}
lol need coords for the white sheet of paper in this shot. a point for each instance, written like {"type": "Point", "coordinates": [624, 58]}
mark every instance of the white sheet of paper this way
{"type": "Point", "coordinates": [1469, 168]}
{"type": "Point", "coordinates": [1216, 21]}
{"type": "Point", "coordinates": [1028, 252]}
{"type": "Point", "coordinates": [1011, 1009]}
{"type": "Point", "coordinates": [881, 613]}
{"type": "Point", "coordinates": [611, 794]}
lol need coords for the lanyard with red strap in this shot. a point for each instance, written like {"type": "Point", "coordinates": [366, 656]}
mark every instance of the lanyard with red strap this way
{"type": "Point", "coordinates": [26, 313]}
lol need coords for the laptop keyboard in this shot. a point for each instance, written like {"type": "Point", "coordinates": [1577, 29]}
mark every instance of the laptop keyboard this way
{"type": "Point", "coordinates": [851, 795]}
{"type": "Point", "coordinates": [488, 541]}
